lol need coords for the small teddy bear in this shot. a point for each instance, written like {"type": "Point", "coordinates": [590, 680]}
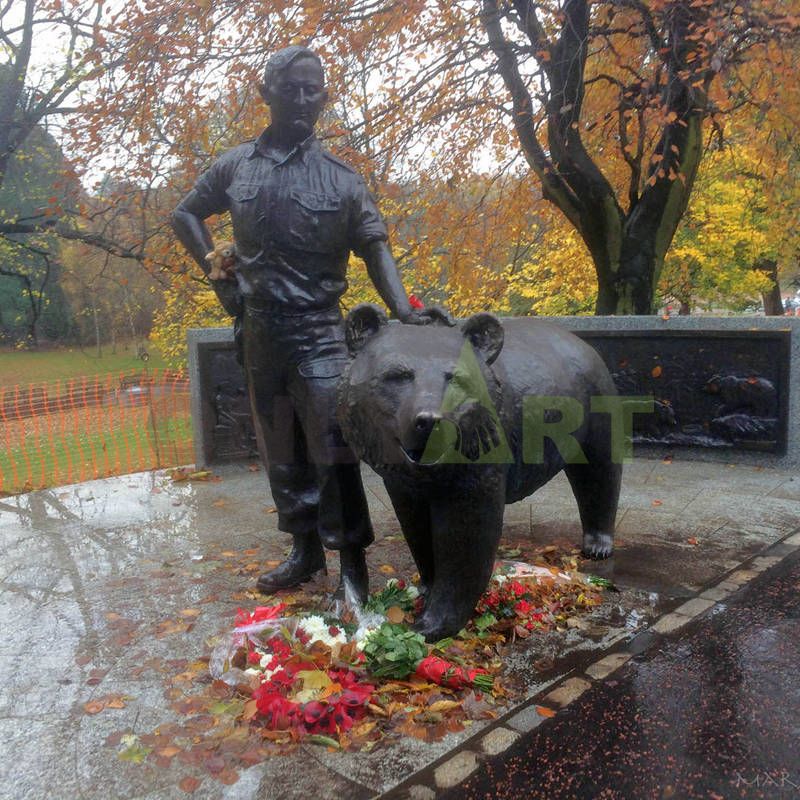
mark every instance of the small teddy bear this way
{"type": "Point", "coordinates": [223, 261]}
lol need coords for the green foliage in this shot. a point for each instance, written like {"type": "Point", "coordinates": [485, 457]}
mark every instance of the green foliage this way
{"type": "Point", "coordinates": [31, 298]}
{"type": "Point", "coordinates": [393, 651]}
{"type": "Point", "coordinates": [392, 595]}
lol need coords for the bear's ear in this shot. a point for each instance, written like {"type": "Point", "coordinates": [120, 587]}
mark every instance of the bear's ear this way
{"type": "Point", "coordinates": [362, 323]}
{"type": "Point", "coordinates": [485, 332]}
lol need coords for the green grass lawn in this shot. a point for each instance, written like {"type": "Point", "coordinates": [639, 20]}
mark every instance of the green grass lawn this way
{"type": "Point", "coordinates": [44, 366]}
{"type": "Point", "coordinates": [135, 445]}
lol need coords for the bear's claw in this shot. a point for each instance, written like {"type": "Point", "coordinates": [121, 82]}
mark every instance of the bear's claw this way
{"type": "Point", "coordinates": [597, 545]}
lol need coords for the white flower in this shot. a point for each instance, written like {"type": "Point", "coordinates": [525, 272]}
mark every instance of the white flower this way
{"type": "Point", "coordinates": [409, 588]}
{"type": "Point", "coordinates": [318, 630]}
{"type": "Point", "coordinates": [252, 671]}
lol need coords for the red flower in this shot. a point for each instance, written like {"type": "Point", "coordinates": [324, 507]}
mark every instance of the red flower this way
{"type": "Point", "coordinates": [279, 711]}
{"type": "Point", "coordinates": [342, 719]}
{"type": "Point", "coordinates": [516, 588]}
{"type": "Point", "coordinates": [314, 711]}
{"type": "Point", "coordinates": [280, 681]}
{"type": "Point", "coordinates": [253, 657]}
{"type": "Point", "coordinates": [343, 676]}
{"type": "Point", "coordinates": [259, 614]}
{"type": "Point", "coordinates": [523, 608]}
{"type": "Point", "coordinates": [415, 302]}
{"type": "Point", "coordinates": [318, 717]}
{"type": "Point", "coordinates": [333, 630]}
{"type": "Point", "coordinates": [279, 648]}
{"type": "Point", "coordinates": [347, 679]}
{"type": "Point", "coordinates": [443, 673]}
{"type": "Point", "coordinates": [356, 696]}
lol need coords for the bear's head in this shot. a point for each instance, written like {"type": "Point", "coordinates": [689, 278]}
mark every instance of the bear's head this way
{"type": "Point", "coordinates": [418, 397]}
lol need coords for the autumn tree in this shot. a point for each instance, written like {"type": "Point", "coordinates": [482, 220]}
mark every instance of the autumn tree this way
{"type": "Point", "coordinates": [31, 296]}
{"type": "Point", "coordinates": [110, 300]}
{"type": "Point", "coordinates": [52, 55]}
{"type": "Point", "coordinates": [739, 236]}
{"type": "Point", "coordinates": [35, 96]}
{"type": "Point", "coordinates": [609, 104]}
{"type": "Point", "coordinates": [626, 82]}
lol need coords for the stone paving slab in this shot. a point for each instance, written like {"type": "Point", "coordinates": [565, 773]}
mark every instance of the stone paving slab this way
{"type": "Point", "coordinates": [90, 574]}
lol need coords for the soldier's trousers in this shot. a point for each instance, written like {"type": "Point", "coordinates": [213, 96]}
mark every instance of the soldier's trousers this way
{"type": "Point", "coordinates": [293, 363]}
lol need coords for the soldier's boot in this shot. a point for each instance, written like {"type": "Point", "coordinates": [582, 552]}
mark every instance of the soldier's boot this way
{"type": "Point", "coordinates": [306, 559]}
{"type": "Point", "coordinates": [354, 573]}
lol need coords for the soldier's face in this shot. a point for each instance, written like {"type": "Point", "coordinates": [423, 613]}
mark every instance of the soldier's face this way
{"type": "Point", "coordinates": [296, 97]}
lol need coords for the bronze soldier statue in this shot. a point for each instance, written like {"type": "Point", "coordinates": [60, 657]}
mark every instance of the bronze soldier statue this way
{"type": "Point", "coordinates": [297, 213]}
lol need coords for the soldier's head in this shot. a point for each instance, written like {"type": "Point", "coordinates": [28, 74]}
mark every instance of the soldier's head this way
{"type": "Point", "coordinates": [294, 89]}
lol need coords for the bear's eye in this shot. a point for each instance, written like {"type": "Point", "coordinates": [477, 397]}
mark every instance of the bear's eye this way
{"type": "Point", "coordinates": [398, 374]}
{"type": "Point", "coordinates": [458, 377]}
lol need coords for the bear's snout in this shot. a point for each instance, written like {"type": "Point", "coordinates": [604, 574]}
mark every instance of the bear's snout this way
{"type": "Point", "coordinates": [418, 434]}
{"type": "Point", "coordinates": [425, 421]}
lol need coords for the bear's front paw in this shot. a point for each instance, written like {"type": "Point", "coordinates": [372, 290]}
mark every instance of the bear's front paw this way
{"type": "Point", "coordinates": [434, 627]}
{"type": "Point", "coordinates": [476, 432]}
{"type": "Point", "coordinates": [597, 545]}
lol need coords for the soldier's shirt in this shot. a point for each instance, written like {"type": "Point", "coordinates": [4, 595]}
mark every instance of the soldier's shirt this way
{"type": "Point", "coordinates": [295, 220]}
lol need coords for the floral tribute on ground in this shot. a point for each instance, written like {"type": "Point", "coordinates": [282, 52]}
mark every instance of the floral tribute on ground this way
{"type": "Point", "coordinates": [350, 678]}
{"type": "Point", "coordinates": [284, 675]}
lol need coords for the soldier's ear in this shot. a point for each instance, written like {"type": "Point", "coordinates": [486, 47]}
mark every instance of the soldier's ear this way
{"type": "Point", "coordinates": [485, 332]}
{"type": "Point", "coordinates": [362, 323]}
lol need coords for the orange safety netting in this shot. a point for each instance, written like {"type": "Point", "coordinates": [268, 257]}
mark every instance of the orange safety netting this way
{"type": "Point", "coordinates": [90, 427]}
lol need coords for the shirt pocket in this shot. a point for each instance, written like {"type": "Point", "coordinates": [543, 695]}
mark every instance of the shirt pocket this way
{"type": "Point", "coordinates": [316, 222]}
{"type": "Point", "coordinates": [244, 204]}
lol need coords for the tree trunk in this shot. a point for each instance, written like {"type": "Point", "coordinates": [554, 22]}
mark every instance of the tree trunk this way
{"type": "Point", "coordinates": [627, 286]}
{"type": "Point", "coordinates": [130, 318]}
{"type": "Point", "coordinates": [628, 246]}
{"type": "Point", "coordinates": [773, 305]}
{"type": "Point", "coordinates": [98, 344]}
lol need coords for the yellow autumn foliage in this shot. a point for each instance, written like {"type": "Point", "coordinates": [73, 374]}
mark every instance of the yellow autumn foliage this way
{"type": "Point", "coordinates": [559, 277]}
{"type": "Point", "coordinates": [187, 304]}
{"type": "Point", "coordinates": [725, 232]}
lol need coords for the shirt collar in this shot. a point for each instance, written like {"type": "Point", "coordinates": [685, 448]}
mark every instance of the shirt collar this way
{"type": "Point", "coordinates": [303, 149]}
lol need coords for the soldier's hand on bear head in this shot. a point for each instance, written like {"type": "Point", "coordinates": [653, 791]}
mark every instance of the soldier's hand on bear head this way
{"type": "Point", "coordinates": [428, 316]}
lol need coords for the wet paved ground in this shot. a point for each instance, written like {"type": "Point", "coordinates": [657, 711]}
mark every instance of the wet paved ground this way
{"type": "Point", "coordinates": [710, 711]}
{"type": "Point", "coordinates": [109, 588]}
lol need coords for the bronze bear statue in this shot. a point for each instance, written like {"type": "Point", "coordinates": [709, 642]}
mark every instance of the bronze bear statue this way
{"type": "Point", "coordinates": [442, 414]}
